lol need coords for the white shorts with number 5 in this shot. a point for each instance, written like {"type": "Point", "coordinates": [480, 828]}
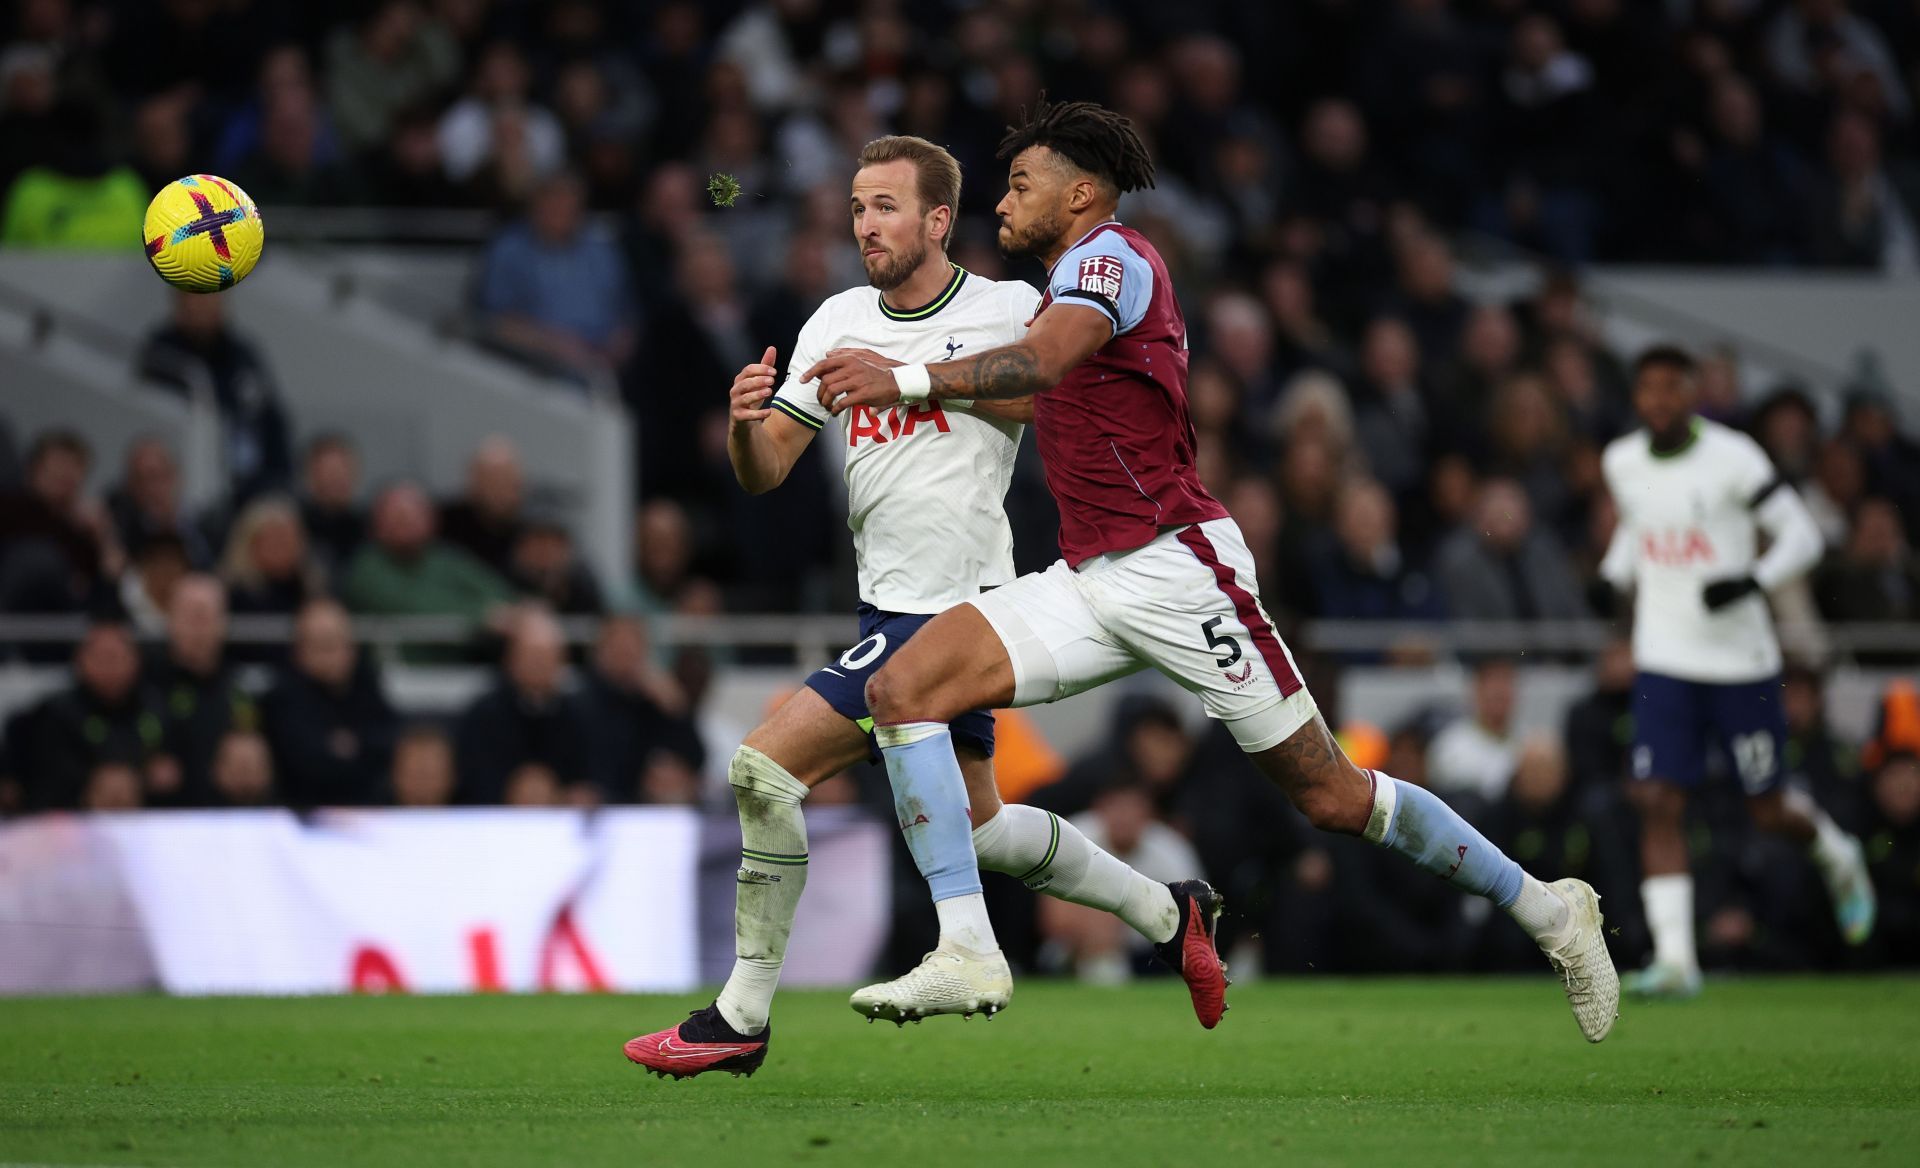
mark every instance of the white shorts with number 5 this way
{"type": "Point", "coordinates": [1186, 604]}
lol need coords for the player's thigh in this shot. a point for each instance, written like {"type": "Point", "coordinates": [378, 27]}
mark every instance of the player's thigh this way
{"type": "Point", "coordinates": [1189, 605]}
{"type": "Point", "coordinates": [809, 738]}
{"type": "Point", "coordinates": [1750, 722]}
{"type": "Point", "coordinates": [1669, 743]}
{"type": "Point", "coordinates": [1053, 641]}
{"type": "Point", "coordinates": [952, 664]}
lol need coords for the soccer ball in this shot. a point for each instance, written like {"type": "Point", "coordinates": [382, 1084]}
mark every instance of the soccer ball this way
{"type": "Point", "coordinates": [203, 233]}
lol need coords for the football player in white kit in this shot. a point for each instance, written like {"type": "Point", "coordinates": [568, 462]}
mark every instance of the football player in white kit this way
{"type": "Point", "coordinates": [1692, 497]}
{"type": "Point", "coordinates": [926, 486]}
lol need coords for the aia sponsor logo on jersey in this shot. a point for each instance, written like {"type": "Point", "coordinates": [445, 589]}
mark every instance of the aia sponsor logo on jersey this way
{"type": "Point", "coordinates": [898, 422]}
{"type": "Point", "coordinates": [1101, 274]}
{"type": "Point", "coordinates": [1677, 547]}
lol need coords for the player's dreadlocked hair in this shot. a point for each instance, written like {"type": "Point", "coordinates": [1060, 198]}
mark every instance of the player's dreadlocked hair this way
{"type": "Point", "coordinates": [1094, 138]}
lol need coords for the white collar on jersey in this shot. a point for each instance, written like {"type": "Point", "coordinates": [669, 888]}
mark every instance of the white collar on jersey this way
{"type": "Point", "coordinates": [1113, 222]}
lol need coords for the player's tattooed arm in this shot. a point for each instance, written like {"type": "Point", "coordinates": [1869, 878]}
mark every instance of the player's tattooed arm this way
{"type": "Point", "coordinates": [1061, 337]}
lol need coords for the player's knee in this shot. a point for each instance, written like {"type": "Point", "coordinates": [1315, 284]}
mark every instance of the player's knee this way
{"type": "Point", "coordinates": [1769, 812]}
{"type": "Point", "coordinates": [1658, 802]}
{"type": "Point", "coordinates": [891, 698]}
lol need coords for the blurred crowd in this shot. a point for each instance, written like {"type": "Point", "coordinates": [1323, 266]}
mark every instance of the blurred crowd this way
{"type": "Point", "coordinates": [1393, 449]}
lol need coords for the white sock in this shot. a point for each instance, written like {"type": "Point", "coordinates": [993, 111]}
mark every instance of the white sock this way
{"type": "Point", "coordinates": [773, 872]}
{"type": "Point", "coordinates": [1830, 849]}
{"type": "Point", "coordinates": [1541, 911]}
{"type": "Point", "coordinates": [963, 920]}
{"type": "Point", "coordinates": [1048, 854]}
{"type": "Point", "coordinates": [1669, 903]}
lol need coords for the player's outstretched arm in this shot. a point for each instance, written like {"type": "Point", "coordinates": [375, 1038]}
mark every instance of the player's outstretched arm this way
{"type": "Point", "coordinates": [1061, 337]}
{"type": "Point", "coordinates": [762, 443]}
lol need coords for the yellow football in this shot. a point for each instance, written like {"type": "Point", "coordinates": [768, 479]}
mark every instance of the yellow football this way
{"type": "Point", "coordinates": [203, 233]}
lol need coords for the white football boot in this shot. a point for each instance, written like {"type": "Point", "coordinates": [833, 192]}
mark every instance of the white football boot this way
{"type": "Point", "coordinates": [949, 980]}
{"type": "Point", "coordinates": [1583, 963]}
{"type": "Point", "coordinates": [1666, 981]}
{"type": "Point", "coordinates": [1854, 904]}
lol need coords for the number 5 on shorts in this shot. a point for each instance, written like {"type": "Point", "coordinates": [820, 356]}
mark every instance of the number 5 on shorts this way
{"type": "Point", "coordinates": [1216, 640]}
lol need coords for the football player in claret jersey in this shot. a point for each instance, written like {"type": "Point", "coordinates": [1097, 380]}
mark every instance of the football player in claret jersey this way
{"type": "Point", "coordinates": [1692, 497]}
{"type": "Point", "coordinates": [926, 485]}
{"type": "Point", "coordinates": [1155, 574]}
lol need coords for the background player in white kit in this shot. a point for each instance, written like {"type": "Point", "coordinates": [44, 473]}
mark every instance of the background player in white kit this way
{"type": "Point", "coordinates": [926, 487]}
{"type": "Point", "coordinates": [1692, 496]}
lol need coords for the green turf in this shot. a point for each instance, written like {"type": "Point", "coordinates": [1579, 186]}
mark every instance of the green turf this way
{"type": "Point", "coordinates": [1313, 1072]}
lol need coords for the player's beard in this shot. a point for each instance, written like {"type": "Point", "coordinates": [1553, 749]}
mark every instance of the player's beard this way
{"type": "Point", "coordinates": [1040, 235]}
{"type": "Point", "coordinates": [892, 269]}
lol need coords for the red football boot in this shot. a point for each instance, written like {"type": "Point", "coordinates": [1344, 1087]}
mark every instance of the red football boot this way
{"type": "Point", "coordinates": [1190, 951]}
{"type": "Point", "coordinates": [704, 1042]}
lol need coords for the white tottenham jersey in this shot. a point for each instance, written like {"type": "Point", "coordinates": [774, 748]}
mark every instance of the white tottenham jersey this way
{"type": "Point", "coordinates": [1687, 519]}
{"type": "Point", "coordinates": [926, 484]}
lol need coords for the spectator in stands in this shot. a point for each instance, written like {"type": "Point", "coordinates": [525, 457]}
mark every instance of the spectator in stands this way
{"type": "Point", "coordinates": [1340, 197]}
{"type": "Point", "coordinates": [423, 768]}
{"type": "Point", "coordinates": [1528, 443]}
{"type": "Point", "coordinates": [1787, 426]}
{"type": "Point", "coordinates": [409, 171]}
{"type": "Point", "coordinates": [197, 347]}
{"type": "Point", "coordinates": [554, 286]}
{"type": "Point", "coordinates": [663, 556]}
{"type": "Point", "coordinates": [1392, 421]}
{"type": "Point", "coordinates": [57, 546]}
{"type": "Point", "coordinates": [29, 128]}
{"type": "Point", "coordinates": [546, 568]}
{"type": "Point", "coordinates": [1599, 727]}
{"type": "Point", "coordinates": [1755, 188]}
{"type": "Point", "coordinates": [1425, 297]}
{"type": "Point", "coordinates": [1865, 214]}
{"type": "Point", "coordinates": [1362, 574]}
{"type": "Point", "coordinates": [1545, 126]}
{"type": "Point", "coordinates": [242, 771]}
{"type": "Point", "coordinates": [199, 695]}
{"type": "Point", "coordinates": [1504, 569]}
{"type": "Point", "coordinates": [1877, 577]}
{"type": "Point", "coordinates": [526, 740]}
{"type": "Point", "coordinates": [637, 714]}
{"type": "Point", "coordinates": [1099, 947]}
{"type": "Point", "coordinates": [329, 502]}
{"type": "Point", "coordinates": [1838, 487]}
{"type": "Point", "coordinates": [407, 570]}
{"type": "Point", "coordinates": [1816, 755]}
{"type": "Point", "coordinates": [292, 164]}
{"type": "Point", "coordinates": [1471, 760]}
{"type": "Point", "coordinates": [74, 197]}
{"type": "Point", "coordinates": [146, 587]}
{"type": "Point", "coordinates": [265, 566]}
{"type": "Point", "coordinates": [699, 338]}
{"type": "Point", "coordinates": [1490, 355]}
{"type": "Point", "coordinates": [1893, 852]}
{"type": "Point", "coordinates": [394, 56]}
{"type": "Point", "coordinates": [487, 519]}
{"type": "Point", "coordinates": [470, 142]}
{"type": "Point", "coordinates": [147, 502]}
{"type": "Point", "coordinates": [1815, 45]}
{"type": "Point", "coordinates": [283, 69]}
{"type": "Point", "coordinates": [79, 737]}
{"type": "Point", "coordinates": [1892, 460]}
{"type": "Point", "coordinates": [327, 716]}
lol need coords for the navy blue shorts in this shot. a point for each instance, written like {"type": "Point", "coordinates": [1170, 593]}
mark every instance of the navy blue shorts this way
{"type": "Point", "coordinates": [1676, 722]}
{"type": "Point", "coordinates": [844, 683]}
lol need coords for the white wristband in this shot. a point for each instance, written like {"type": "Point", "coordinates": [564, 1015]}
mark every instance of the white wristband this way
{"type": "Point", "coordinates": [916, 384]}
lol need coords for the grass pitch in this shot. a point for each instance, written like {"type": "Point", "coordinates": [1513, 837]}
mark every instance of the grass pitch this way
{"type": "Point", "coordinates": [1310, 1072]}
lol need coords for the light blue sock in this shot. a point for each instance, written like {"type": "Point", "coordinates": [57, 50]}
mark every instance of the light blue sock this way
{"type": "Point", "coordinates": [930, 795]}
{"type": "Point", "coordinates": [1420, 826]}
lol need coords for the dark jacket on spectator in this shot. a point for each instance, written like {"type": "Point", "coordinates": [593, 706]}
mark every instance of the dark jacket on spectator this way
{"type": "Point", "coordinates": [198, 711]}
{"type": "Point", "coordinates": [489, 542]}
{"type": "Point", "coordinates": [500, 733]}
{"type": "Point", "coordinates": [626, 729]}
{"type": "Point", "coordinates": [72, 732]}
{"type": "Point", "coordinates": [1535, 583]}
{"type": "Point", "coordinates": [334, 535]}
{"type": "Point", "coordinates": [331, 748]}
{"type": "Point", "coordinates": [47, 562]}
{"type": "Point", "coordinates": [258, 452]}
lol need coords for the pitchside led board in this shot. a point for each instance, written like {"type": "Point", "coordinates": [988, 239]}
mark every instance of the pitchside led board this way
{"type": "Point", "coordinates": [248, 902]}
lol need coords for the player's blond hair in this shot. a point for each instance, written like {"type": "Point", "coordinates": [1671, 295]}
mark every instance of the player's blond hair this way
{"type": "Point", "coordinates": [939, 172]}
